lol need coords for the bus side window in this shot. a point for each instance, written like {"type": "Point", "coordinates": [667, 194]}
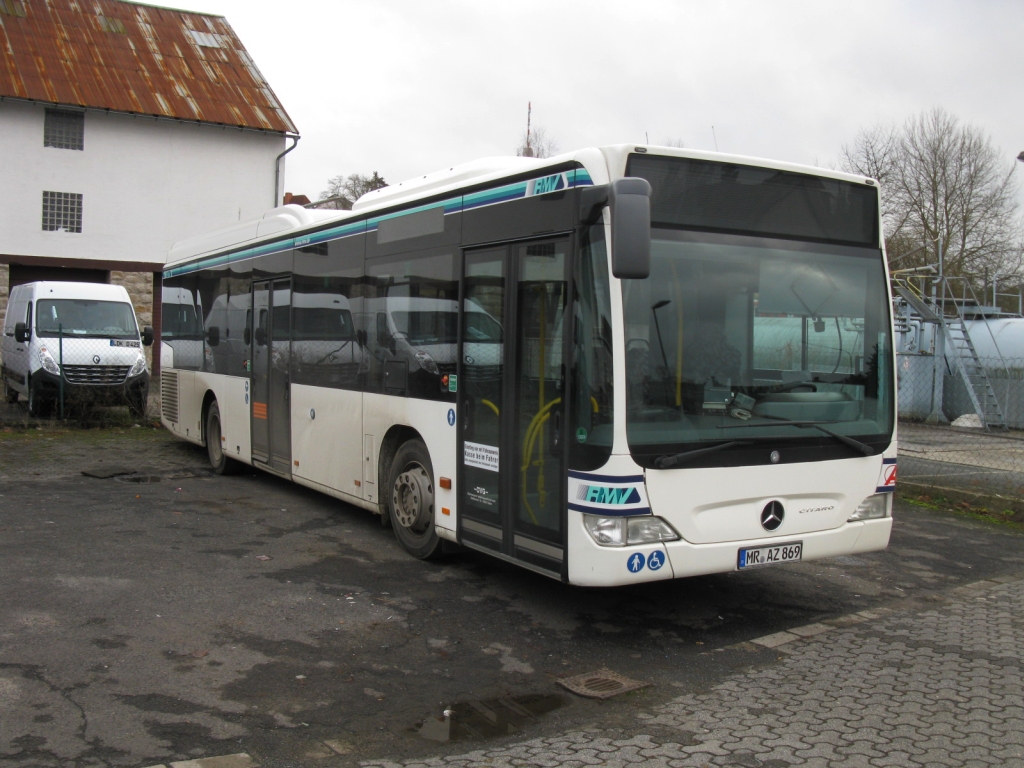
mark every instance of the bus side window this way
{"type": "Point", "coordinates": [384, 337]}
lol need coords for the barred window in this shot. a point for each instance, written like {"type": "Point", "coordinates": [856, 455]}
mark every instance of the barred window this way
{"type": "Point", "coordinates": [62, 212]}
{"type": "Point", "coordinates": [64, 129]}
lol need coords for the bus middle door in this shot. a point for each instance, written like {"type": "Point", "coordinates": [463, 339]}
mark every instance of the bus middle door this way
{"type": "Point", "coordinates": [270, 409]}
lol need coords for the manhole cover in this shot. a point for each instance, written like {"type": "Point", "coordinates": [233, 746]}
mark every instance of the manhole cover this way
{"type": "Point", "coordinates": [602, 684]}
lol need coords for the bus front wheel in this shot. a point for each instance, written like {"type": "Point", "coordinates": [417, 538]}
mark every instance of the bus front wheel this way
{"type": "Point", "coordinates": [221, 464]}
{"type": "Point", "coordinates": [411, 501]}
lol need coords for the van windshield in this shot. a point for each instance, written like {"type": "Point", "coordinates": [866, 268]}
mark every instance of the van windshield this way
{"type": "Point", "coordinates": [86, 318]}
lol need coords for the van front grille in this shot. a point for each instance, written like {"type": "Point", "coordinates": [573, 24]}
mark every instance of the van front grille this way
{"type": "Point", "coordinates": [95, 374]}
{"type": "Point", "coordinates": [169, 396]}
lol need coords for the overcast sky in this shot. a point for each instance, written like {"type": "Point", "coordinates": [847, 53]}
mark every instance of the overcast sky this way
{"type": "Point", "coordinates": [405, 87]}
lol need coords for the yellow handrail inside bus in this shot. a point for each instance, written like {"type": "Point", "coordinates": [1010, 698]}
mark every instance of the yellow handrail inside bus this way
{"type": "Point", "coordinates": [529, 441]}
{"type": "Point", "coordinates": [492, 406]}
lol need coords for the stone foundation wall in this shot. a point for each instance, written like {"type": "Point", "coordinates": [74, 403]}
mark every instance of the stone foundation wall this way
{"type": "Point", "coordinates": [140, 288]}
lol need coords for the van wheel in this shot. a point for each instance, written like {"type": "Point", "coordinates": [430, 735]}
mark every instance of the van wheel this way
{"type": "Point", "coordinates": [137, 404]}
{"type": "Point", "coordinates": [39, 405]}
{"type": "Point", "coordinates": [221, 464]}
{"type": "Point", "coordinates": [411, 501]}
{"type": "Point", "coordinates": [10, 394]}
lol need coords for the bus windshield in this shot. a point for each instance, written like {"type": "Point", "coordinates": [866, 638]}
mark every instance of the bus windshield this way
{"type": "Point", "coordinates": [733, 336]}
{"type": "Point", "coordinates": [83, 317]}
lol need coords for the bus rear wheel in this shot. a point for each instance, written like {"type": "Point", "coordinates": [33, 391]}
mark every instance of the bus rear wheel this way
{"type": "Point", "coordinates": [411, 501]}
{"type": "Point", "coordinates": [221, 464]}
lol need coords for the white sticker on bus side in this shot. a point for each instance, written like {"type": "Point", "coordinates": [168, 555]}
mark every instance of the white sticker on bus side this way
{"type": "Point", "coordinates": [479, 455]}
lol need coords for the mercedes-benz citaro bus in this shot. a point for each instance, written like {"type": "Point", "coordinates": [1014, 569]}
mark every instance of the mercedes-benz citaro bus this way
{"type": "Point", "coordinates": [651, 363]}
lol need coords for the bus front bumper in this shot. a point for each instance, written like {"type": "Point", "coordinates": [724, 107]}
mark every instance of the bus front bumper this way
{"type": "Point", "coordinates": [593, 565]}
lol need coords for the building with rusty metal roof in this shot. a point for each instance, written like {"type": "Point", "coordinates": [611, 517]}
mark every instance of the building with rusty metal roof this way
{"type": "Point", "coordinates": [127, 127]}
{"type": "Point", "coordinates": [134, 58]}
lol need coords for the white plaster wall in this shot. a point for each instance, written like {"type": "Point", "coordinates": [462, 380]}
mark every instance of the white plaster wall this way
{"type": "Point", "coordinates": [145, 183]}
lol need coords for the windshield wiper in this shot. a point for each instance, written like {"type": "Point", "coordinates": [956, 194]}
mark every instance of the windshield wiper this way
{"type": "Point", "coordinates": [675, 459]}
{"type": "Point", "coordinates": [857, 445]}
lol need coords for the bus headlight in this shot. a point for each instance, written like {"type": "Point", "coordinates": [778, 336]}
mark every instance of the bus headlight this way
{"type": "Point", "coordinates": [46, 360]}
{"type": "Point", "coordinates": [873, 507]}
{"type": "Point", "coordinates": [624, 531]}
{"type": "Point", "coordinates": [139, 367]}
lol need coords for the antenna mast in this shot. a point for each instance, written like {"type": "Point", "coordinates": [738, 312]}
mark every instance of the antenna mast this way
{"type": "Point", "coordinates": [528, 150]}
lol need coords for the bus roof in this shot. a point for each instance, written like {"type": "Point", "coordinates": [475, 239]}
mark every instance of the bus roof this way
{"type": "Point", "coordinates": [602, 165]}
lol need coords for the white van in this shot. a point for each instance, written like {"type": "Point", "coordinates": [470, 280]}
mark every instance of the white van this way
{"type": "Point", "coordinates": [90, 329]}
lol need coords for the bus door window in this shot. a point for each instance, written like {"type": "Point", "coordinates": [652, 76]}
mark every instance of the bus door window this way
{"type": "Point", "coordinates": [540, 422]}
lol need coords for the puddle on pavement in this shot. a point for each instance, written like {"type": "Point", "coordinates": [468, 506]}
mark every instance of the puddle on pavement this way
{"type": "Point", "coordinates": [478, 720]}
{"type": "Point", "coordinates": [139, 479]}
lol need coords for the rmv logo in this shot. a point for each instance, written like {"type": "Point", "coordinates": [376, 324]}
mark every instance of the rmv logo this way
{"type": "Point", "coordinates": [547, 184]}
{"type": "Point", "coordinates": [602, 494]}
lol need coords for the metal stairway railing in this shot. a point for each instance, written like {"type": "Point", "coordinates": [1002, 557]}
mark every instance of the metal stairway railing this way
{"type": "Point", "coordinates": [969, 365]}
{"type": "Point", "coordinates": [959, 345]}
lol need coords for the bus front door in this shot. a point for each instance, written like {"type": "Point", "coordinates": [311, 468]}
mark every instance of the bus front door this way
{"type": "Point", "coordinates": [512, 446]}
{"type": "Point", "coordinates": [271, 418]}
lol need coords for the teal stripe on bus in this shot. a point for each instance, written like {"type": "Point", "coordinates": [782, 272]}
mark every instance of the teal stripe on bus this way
{"type": "Point", "coordinates": [503, 194]}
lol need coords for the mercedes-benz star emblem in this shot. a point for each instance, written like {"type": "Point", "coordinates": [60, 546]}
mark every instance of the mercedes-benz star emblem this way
{"type": "Point", "coordinates": [96, 359]}
{"type": "Point", "coordinates": [771, 515]}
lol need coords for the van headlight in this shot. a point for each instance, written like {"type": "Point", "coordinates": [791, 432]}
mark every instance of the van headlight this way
{"type": "Point", "coordinates": [873, 507]}
{"type": "Point", "coordinates": [626, 531]}
{"type": "Point", "coordinates": [427, 363]}
{"type": "Point", "coordinates": [139, 368]}
{"type": "Point", "coordinates": [47, 361]}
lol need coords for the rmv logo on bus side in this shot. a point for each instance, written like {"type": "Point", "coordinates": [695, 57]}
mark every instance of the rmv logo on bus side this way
{"type": "Point", "coordinates": [547, 184]}
{"type": "Point", "coordinates": [602, 494]}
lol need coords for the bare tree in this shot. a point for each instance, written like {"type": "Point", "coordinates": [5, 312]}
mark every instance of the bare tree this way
{"type": "Point", "coordinates": [342, 191]}
{"type": "Point", "coordinates": [944, 180]}
{"type": "Point", "coordinates": [677, 142]}
{"type": "Point", "coordinates": [535, 142]}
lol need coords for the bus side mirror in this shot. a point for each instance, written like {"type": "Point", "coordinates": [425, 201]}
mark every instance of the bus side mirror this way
{"type": "Point", "coordinates": [630, 200]}
{"type": "Point", "coordinates": [147, 336]}
{"type": "Point", "coordinates": [21, 333]}
{"type": "Point", "coordinates": [261, 337]}
{"type": "Point", "coordinates": [213, 335]}
{"type": "Point", "coordinates": [361, 338]}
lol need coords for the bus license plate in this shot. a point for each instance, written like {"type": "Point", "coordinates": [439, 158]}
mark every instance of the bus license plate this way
{"type": "Point", "coordinates": [755, 557]}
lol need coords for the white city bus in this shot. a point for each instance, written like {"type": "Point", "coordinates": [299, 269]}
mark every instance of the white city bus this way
{"type": "Point", "coordinates": [617, 365]}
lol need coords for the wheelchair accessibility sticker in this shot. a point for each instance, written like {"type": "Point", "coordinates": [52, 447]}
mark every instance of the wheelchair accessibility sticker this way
{"type": "Point", "coordinates": [656, 560]}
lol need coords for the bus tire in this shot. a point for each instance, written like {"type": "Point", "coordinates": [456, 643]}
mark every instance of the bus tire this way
{"type": "Point", "coordinates": [221, 464]}
{"type": "Point", "coordinates": [410, 501]}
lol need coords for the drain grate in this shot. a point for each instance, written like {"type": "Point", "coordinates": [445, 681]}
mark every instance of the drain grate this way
{"type": "Point", "coordinates": [602, 684]}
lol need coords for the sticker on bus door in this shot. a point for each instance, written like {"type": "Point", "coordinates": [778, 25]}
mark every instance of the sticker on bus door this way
{"type": "Point", "coordinates": [480, 455]}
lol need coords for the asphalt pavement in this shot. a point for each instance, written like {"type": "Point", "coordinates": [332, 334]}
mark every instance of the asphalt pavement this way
{"type": "Point", "coordinates": [152, 613]}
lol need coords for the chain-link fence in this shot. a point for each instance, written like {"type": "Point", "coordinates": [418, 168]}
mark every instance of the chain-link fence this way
{"type": "Point", "coordinates": [87, 378]}
{"type": "Point", "coordinates": [962, 424]}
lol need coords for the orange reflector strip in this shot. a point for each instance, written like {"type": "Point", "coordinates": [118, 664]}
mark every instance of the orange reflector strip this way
{"type": "Point", "coordinates": [358, 483]}
{"type": "Point", "coordinates": [259, 410]}
{"type": "Point", "coordinates": [445, 511]}
{"type": "Point", "coordinates": [446, 483]}
{"type": "Point", "coordinates": [296, 462]}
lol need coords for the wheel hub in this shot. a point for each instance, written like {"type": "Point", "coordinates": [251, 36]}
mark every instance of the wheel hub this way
{"type": "Point", "coordinates": [413, 498]}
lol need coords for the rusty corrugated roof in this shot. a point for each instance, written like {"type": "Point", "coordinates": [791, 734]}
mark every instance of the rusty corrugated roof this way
{"type": "Point", "coordinates": [134, 58]}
